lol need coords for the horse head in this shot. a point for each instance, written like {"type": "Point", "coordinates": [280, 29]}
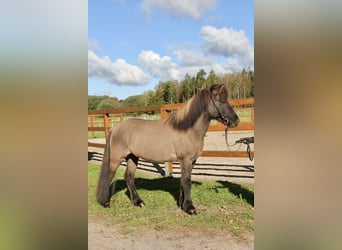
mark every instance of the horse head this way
{"type": "Point", "coordinates": [220, 108]}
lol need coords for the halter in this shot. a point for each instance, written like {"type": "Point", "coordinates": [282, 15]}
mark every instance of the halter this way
{"type": "Point", "coordinates": [222, 117]}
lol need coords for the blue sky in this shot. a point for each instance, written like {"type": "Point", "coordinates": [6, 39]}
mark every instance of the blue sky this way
{"type": "Point", "coordinates": [132, 45]}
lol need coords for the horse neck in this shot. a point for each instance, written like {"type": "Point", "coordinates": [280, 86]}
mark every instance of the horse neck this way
{"type": "Point", "coordinates": [200, 127]}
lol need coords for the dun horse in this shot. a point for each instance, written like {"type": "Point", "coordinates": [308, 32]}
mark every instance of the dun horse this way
{"type": "Point", "coordinates": [179, 138]}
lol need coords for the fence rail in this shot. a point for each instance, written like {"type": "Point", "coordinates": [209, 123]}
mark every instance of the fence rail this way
{"type": "Point", "coordinates": [244, 108]}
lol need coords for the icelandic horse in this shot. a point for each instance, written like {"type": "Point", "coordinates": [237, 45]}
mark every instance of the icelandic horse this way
{"type": "Point", "coordinates": [179, 138]}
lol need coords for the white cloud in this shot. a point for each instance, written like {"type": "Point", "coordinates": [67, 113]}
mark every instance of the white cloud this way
{"type": "Point", "coordinates": [164, 69]}
{"type": "Point", "coordinates": [232, 46]}
{"type": "Point", "coordinates": [191, 62]}
{"type": "Point", "coordinates": [117, 73]}
{"type": "Point", "coordinates": [191, 8]}
{"type": "Point", "coordinates": [107, 92]}
{"type": "Point", "coordinates": [188, 58]}
{"type": "Point", "coordinates": [233, 65]}
{"type": "Point", "coordinates": [224, 50]}
{"type": "Point", "coordinates": [160, 67]}
{"type": "Point", "coordinates": [228, 43]}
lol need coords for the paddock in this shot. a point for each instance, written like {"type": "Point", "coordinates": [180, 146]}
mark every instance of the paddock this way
{"type": "Point", "coordinates": [225, 165]}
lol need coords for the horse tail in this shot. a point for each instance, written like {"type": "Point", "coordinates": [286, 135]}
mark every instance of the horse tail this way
{"type": "Point", "coordinates": [103, 185]}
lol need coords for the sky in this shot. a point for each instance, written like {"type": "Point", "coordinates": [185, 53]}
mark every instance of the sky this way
{"type": "Point", "coordinates": [132, 45]}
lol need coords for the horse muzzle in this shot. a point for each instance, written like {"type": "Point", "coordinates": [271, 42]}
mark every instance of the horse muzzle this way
{"type": "Point", "coordinates": [233, 124]}
{"type": "Point", "coordinates": [230, 123]}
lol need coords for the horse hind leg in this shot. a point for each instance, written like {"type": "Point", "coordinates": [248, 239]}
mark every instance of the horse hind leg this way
{"type": "Point", "coordinates": [132, 162]}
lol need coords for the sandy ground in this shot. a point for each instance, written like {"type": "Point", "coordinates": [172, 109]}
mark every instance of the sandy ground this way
{"type": "Point", "coordinates": [237, 170]}
{"type": "Point", "coordinates": [101, 236]}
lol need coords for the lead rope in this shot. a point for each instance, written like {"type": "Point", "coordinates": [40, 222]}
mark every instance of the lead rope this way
{"type": "Point", "coordinates": [246, 141]}
{"type": "Point", "coordinates": [226, 139]}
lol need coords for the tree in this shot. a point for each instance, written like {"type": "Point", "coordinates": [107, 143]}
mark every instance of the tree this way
{"type": "Point", "coordinates": [193, 84]}
{"type": "Point", "coordinates": [169, 92]}
{"type": "Point", "coordinates": [159, 93]}
{"type": "Point", "coordinates": [201, 82]}
{"type": "Point", "coordinates": [166, 92]}
{"type": "Point", "coordinates": [185, 89]}
{"type": "Point", "coordinates": [108, 103]}
{"type": "Point", "coordinates": [134, 101]}
{"type": "Point", "coordinates": [149, 98]}
{"type": "Point", "coordinates": [212, 78]}
{"type": "Point", "coordinates": [251, 77]}
{"type": "Point", "coordinates": [93, 101]}
{"type": "Point", "coordinates": [239, 85]}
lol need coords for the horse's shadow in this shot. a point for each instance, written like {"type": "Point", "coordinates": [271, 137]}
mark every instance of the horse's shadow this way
{"type": "Point", "coordinates": [168, 184]}
{"type": "Point", "coordinates": [172, 186]}
{"type": "Point", "coordinates": [238, 190]}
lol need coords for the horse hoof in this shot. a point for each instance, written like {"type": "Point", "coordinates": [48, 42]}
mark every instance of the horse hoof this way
{"type": "Point", "coordinates": [139, 203]}
{"type": "Point", "coordinates": [192, 212]}
{"type": "Point", "coordinates": [106, 204]}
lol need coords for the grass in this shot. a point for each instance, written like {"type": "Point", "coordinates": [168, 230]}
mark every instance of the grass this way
{"type": "Point", "coordinates": [96, 134]}
{"type": "Point", "coordinates": [221, 205]}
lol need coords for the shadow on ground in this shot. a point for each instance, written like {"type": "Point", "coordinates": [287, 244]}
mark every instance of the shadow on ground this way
{"type": "Point", "coordinates": [169, 184]}
{"type": "Point", "coordinates": [239, 191]}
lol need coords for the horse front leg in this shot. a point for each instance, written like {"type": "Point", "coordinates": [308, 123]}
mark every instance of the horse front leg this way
{"type": "Point", "coordinates": [185, 201]}
{"type": "Point", "coordinates": [132, 162]}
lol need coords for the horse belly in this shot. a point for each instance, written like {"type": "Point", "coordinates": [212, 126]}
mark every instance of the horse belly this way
{"type": "Point", "coordinates": [156, 152]}
{"type": "Point", "coordinates": [153, 144]}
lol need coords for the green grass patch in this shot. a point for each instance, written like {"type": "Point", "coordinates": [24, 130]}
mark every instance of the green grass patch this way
{"type": "Point", "coordinates": [221, 205]}
{"type": "Point", "coordinates": [96, 134]}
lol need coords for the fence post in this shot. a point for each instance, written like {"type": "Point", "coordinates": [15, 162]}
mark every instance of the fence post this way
{"type": "Point", "coordinates": [163, 113]}
{"type": "Point", "coordinates": [92, 125]}
{"type": "Point", "coordinates": [168, 168]}
{"type": "Point", "coordinates": [106, 124]}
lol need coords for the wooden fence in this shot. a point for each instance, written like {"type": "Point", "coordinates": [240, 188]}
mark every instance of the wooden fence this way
{"type": "Point", "coordinates": [244, 107]}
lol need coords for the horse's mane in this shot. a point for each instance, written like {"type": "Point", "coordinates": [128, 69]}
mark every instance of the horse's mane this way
{"type": "Point", "coordinates": [186, 116]}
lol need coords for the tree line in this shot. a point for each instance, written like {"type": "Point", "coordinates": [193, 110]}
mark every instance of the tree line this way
{"type": "Point", "coordinates": [239, 84]}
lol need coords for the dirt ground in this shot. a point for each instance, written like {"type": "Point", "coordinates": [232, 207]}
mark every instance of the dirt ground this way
{"type": "Point", "coordinates": [101, 236]}
{"type": "Point", "coordinates": [237, 170]}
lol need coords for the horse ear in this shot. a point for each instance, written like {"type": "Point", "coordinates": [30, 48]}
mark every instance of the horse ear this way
{"type": "Point", "coordinates": [216, 89]}
{"type": "Point", "coordinates": [213, 89]}
{"type": "Point", "coordinates": [221, 88]}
